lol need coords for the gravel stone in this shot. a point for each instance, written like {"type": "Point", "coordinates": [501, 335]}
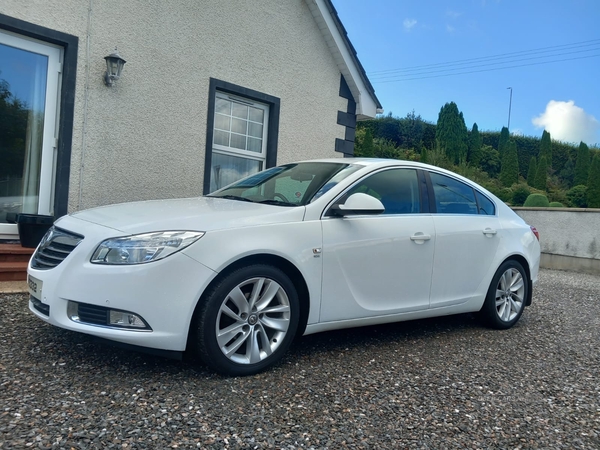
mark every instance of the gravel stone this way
{"type": "Point", "coordinates": [441, 383]}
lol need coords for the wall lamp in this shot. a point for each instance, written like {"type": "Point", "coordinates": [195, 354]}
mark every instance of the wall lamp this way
{"type": "Point", "coordinates": [114, 67]}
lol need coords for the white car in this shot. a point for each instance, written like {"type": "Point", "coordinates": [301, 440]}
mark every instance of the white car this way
{"type": "Point", "coordinates": [293, 250]}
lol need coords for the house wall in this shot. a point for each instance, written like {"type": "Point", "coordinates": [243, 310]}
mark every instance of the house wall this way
{"type": "Point", "coordinates": [569, 237]}
{"type": "Point", "coordinates": [145, 137]}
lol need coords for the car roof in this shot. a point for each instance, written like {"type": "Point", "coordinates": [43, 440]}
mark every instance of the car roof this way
{"type": "Point", "coordinates": [387, 162]}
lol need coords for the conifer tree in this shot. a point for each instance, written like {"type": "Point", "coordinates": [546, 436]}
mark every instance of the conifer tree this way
{"type": "Point", "coordinates": [368, 147]}
{"type": "Point", "coordinates": [541, 174]}
{"type": "Point", "coordinates": [503, 141]}
{"type": "Point", "coordinates": [474, 155]}
{"type": "Point", "coordinates": [582, 165]}
{"type": "Point", "coordinates": [424, 156]}
{"type": "Point", "coordinates": [509, 174]}
{"type": "Point", "coordinates": [546, 148]}
{"type": "Point", "coordinates": [593, 184]}
{"type": "Point", "coordinates": [451, 133]}
{"type": "Point", "coordinates": [531, 172]}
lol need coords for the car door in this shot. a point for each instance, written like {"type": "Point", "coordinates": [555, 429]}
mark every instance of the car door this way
{"type": "Point", "coordinates": [379, 264]}
{"type": "Point", "coordinates": [467, 233]}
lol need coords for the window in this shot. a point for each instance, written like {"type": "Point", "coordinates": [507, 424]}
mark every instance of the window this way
{"type": "Point", "coordinates": [455, 197]}
{"type": "Point", "coordinates": [397, 189]}
{"type": "Point", "coordinates": [29, 86]}
{"type": "Point", "coordinates": [485, 205]}
{"type": "Point", "coordinates": [45, 175]}
{"type": "Point", "coordinates": [289, 185]}
{"type": "Point", "coordinates": [241, 134]}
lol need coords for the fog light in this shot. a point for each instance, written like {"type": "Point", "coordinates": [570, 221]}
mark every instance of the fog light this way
{"type": "Point", "coordinates": [126, 319]}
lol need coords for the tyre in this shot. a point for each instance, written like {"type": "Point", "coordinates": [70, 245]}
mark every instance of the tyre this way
{"type": "Point", "coordinates": [506, 296]}
{"type": "Point", "coordinates": [248, 320]}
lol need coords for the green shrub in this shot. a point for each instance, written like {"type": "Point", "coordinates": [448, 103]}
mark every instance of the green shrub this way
{"type": "Point", "coordinates": [537, 201]}
{"type": "Point", "coordinates": [520, 194]}
{"type": "Point", "coordinates": [505, 194]}
{"type": "Point", "coordinates": [556, 205]}
{"type": "Point", "coordinates": [577, 196]}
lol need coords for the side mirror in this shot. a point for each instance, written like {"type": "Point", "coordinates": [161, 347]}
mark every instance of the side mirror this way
{"type": "Point", "coordinates": [358, 204]}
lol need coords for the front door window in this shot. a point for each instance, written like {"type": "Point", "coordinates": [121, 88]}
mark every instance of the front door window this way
{"type": "Point", "coordinates": [29, 77]}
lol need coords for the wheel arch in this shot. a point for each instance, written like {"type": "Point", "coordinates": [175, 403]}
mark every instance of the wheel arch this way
{"type": "Point", "coordinates": [525, 264]}
{"type": "Point", "coordinates": [269, 259]}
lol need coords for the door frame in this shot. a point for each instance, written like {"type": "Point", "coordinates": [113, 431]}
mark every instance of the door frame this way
{"type": "Point", "coordinates": [65, 102]}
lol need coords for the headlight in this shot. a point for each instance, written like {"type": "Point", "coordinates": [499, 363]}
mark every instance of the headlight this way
{"type": "Point", "coordinates": [143, 248]}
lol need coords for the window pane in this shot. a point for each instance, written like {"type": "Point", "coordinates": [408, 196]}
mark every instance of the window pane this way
{"type": "Point", "coordinates": [226, 169]}
{"type": "Point", "coordinates": [254, 145]}
{"type": "Point", "coordinates": [255, 129]}
{"type": "Point", "coordinates": [452, 196]}
{"type": "Point", "coordinates": [239, 110]}
{"type": "Point", "coordinates": [23, 79]}
{"type": "Point", "coordinates": [256, 115]}
{"type": "Point", "coordinates": [398, 190]}
{"type": "Point", "coordinates": [238, 141]}
{"type": "Point", "coordinates": [223, 106]}
{"type": "Point", "coordinates": [485, 205]}
{"type": "Point", "coordinates": [222, 122]}
{"type": "Point", "coordinates": [221, 138]}
{"type": "Point", "coordinates": [239, 126]}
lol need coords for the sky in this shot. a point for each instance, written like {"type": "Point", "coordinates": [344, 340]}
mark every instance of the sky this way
{"type": "Point", "coordinates": [422, 54]}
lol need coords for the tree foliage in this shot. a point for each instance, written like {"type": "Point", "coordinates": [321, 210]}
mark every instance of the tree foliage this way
{"type": "Point", "coordinates": [593, 184]}
{"type": "Point", "coordinates": [474, 152]}
{"type": "Point", "coordinates": [537, 201]}
{"type": "Point", "coordinates": [412, 138]}
{"type": "Point", "coordinates": [582, 165]}
{"type": "Point", "coordinates": [503, 141]}
{"type": "Point", "coordinates": [568, 172]}
{"type": "Point", "coordinates": [509, 174]}
{"type": "Point", "coordinates": [490, 161]}
{"type": "Point", "coordinates": [541, 174]}
{"type": "Point", "coordinates": [546, 148]}
{"type": "Point", "coordinates": [531, 172]}
{"type": "Point", "coordinates": [451, 133]}
{"type": "Point", "coordinates": [577, 196]}
{"type": "Point", "coordinates": [13, 131]}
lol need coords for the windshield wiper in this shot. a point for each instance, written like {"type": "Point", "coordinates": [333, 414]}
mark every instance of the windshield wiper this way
{"type": "Point", "coordinates": [278, 202]}
{"type": "Point", "coordinates": [232, 197]}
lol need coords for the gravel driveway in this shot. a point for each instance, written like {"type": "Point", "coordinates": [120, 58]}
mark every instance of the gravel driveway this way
{"type": "Point", "coordinates": [432, 384]}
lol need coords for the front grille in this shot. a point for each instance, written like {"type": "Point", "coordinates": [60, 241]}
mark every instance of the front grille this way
{"type": "Point", "coordinates": [39, 306]}
{"type": "Point", "coordinates": [56, 245]}
{"type": "Point", "coordinates": [95, 315]}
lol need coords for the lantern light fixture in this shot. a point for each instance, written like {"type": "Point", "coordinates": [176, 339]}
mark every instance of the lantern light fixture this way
{"type": "Point", "coordinates": [114, 67]}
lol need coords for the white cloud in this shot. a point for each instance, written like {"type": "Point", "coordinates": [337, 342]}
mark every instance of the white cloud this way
{"type": "Point", "coordinates": [516, 132]}
{"type": "Point", "coordinates": [450, 28]}
{"type": "Point", "coordinates": [569, 123]}
{"type": "Point", "coordinates": [453, 14]}
{"type": "Point", "coordinates": [409, 24]}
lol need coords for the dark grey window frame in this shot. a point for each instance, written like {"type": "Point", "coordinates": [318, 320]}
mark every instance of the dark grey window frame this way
{"type": "Point", "coordinates": [273, 124]}
{"type": "Point", "coordinates": [69, 44]}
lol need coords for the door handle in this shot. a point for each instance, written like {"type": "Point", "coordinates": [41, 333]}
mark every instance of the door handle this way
{"type": "Point", "coordinates": [489, 232]}
{"type": "Point", "coordinates": [420, 237]}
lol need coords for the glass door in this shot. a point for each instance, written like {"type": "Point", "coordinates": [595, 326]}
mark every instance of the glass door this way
{"type": "Point", "coordinates": [29, 92]}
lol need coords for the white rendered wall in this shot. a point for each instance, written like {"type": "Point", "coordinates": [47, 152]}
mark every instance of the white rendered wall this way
{"type": "Point", "coordinates": [145, 137]}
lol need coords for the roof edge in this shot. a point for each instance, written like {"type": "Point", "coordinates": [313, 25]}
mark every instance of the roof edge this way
{"type": "Point", "coordinates": [346, 57]}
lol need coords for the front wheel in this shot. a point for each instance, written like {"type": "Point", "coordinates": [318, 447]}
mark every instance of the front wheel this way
{"type": "Point", "coordinates": [506, 296]}
{"type": "Point", "coordinates": [248, 320]}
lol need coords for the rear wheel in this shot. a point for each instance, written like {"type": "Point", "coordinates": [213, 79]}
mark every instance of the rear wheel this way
{"type": "Point", "coordinates": [248, 320]}
{"type": "Point", "coordinates": [506, 296]}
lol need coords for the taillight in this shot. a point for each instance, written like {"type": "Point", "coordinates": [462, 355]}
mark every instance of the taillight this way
{"type": "Point", "coordinates": [535, 231]}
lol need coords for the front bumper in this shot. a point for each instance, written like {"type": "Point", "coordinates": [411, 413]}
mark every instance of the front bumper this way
{"type": "Point", "coordinates": [164, 293]}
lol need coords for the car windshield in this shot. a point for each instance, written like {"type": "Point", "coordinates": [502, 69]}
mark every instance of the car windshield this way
{"type": "Point", "coordinates": [289, 185]}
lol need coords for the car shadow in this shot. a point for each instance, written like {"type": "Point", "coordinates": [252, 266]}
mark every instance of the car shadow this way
{"type": "Point", "coordinates": [83, 351]}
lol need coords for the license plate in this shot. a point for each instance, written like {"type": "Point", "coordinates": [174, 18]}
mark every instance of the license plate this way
{"type": "Point", "coordinates": [35, 287]}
